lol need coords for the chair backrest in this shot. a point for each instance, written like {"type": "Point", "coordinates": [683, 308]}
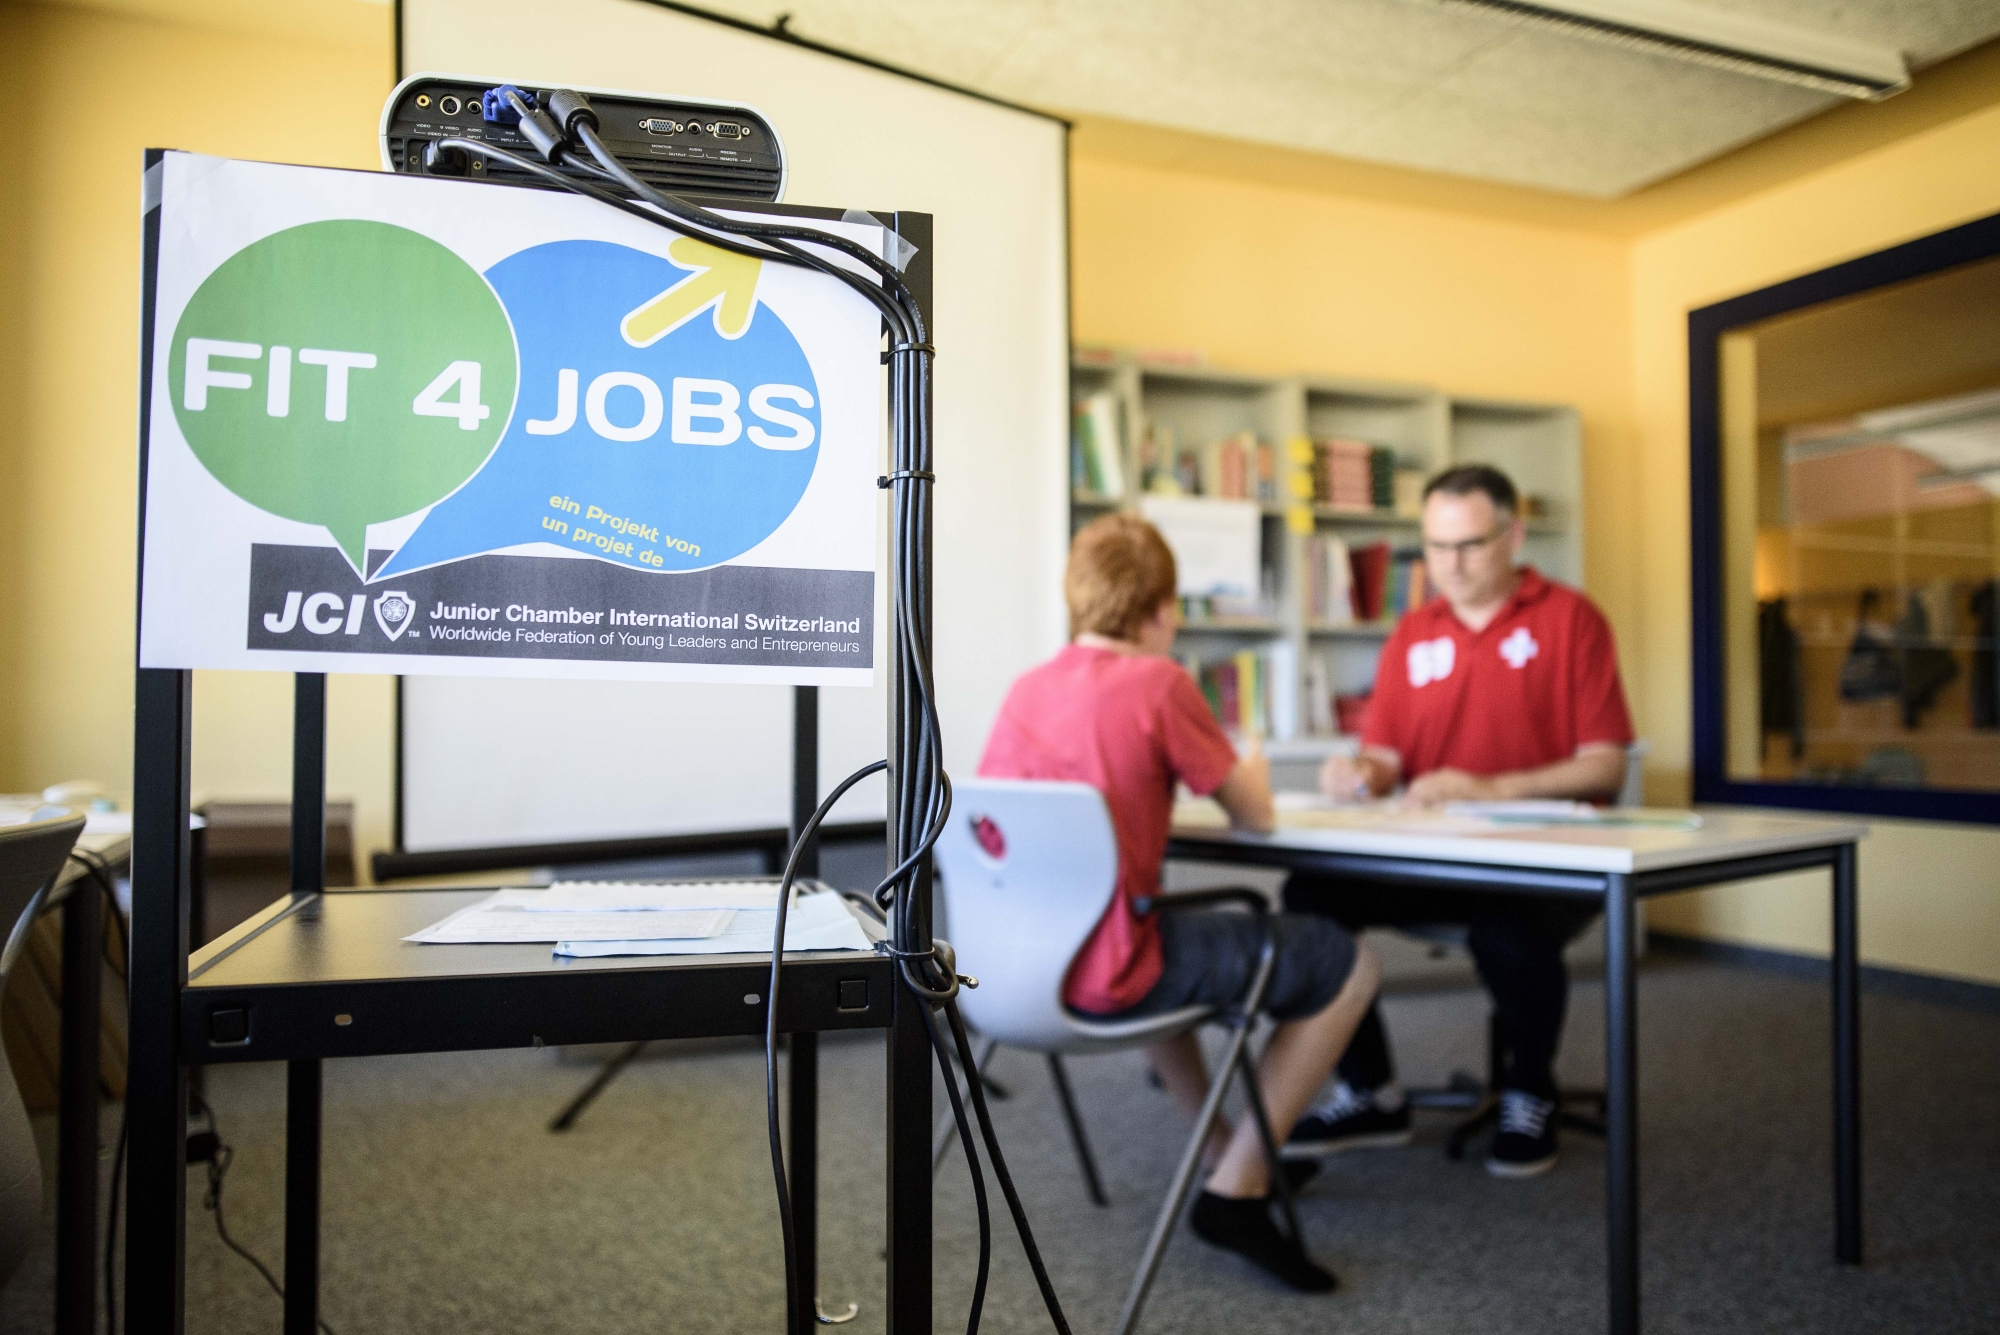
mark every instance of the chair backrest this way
{"type": "Point", "coordinates": [30, 856]}
{"type": "Point", "coordinates": [1027, 869]}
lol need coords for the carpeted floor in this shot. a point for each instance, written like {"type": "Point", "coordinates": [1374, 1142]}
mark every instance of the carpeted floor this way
{"type": "Point", "coordinates": [450, 1208]}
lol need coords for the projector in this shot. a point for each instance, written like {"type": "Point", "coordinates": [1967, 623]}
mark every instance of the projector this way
{"type": "Point", "coordinates": [680, 145]}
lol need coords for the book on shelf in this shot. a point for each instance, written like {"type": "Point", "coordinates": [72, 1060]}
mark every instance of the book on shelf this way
{"type": "Point", "coordinates": [1254, 692]}
{"type": "Point", "coordinates": [1097, 446]}
{"type": "Point", "coordinates": [1371, 580]}
{"type": "Point", "coordinates": [1360, 478]}
{"type": "Point", "coordinates": [1316, 684]}
{"type": "Point", "coordinates": [1387, 583]}
{"type": "Point", "coordinates": [1238, 467]}
{"type": "Point", "coordinates": [1408, 488]}
{"type": "Point", "coordinates": [1329, 581]}
{"type": "Point", "coordinates": [1329, 711]}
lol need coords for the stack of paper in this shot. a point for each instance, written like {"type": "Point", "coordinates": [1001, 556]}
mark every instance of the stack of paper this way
{"type": "Point", "coordinates": [816, 922]}
{"type": "Point", "coordinates": [638, 918]}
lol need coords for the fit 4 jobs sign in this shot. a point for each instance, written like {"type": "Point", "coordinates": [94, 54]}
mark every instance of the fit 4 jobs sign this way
{"type": "Point", "coordinates": [409, 425]}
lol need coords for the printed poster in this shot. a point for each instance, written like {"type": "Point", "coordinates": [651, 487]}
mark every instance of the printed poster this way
{"type": "Point", "coordinates": [410, 425]}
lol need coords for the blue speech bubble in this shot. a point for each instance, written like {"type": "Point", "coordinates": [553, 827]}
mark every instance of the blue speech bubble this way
{"type": "Point", "coordinates": [675, 456]}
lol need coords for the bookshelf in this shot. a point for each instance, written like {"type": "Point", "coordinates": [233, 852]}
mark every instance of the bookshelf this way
{"type": "Point", "coordinates": [1411, 431]}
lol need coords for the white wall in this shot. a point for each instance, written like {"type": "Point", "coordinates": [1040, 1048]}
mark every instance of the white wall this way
{"type": "Point", "coordinates": [480, 765]}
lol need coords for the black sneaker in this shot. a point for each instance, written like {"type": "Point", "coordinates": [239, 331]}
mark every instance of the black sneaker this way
{"type": "Point", "coordinates": [1525, 1145]}
{"type": "Point", "coordinates": [1245, 1227]}
{"type": "Point", "coordinates": [1349, 1119]}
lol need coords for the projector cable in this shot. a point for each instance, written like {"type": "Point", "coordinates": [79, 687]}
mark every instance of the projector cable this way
{"type": "Point", "coordinates": [564, 132]}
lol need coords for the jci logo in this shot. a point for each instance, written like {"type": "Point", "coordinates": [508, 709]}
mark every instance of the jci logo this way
{"type": "Point", "coordinates": [394, 613]}
{"type": "Point", "coordinates": [329, 613]}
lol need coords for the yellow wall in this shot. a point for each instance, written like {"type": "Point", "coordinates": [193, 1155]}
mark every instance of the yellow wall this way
{"type": "Point", "coordinates": [307, 89]}
{"type": "Point", "coordinates": [1278, 281]}
{"type": "Point", "coordinates": [1929, 895]}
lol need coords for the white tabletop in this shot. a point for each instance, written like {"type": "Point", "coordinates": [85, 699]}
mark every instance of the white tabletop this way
{"type": "Point", "coordinates": [1647, 840]}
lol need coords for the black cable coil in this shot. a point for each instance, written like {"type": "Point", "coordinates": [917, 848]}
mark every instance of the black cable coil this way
{"type": "Point", "coordinates": [920, 796]}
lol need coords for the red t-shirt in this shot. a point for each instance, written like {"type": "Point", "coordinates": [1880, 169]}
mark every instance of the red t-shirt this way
{"type": "Point", "coordinates": [1538, 682]}
{"type": "Point", "coordinates": [1129, 726]}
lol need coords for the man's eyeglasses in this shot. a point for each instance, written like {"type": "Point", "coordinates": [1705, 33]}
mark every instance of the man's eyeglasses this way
{"type": "Point", "coordinates": [1437, 551]}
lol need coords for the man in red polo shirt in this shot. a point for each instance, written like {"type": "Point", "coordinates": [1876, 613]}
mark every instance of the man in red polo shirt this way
{"type": "Point", "coordinates": [1503, 687]}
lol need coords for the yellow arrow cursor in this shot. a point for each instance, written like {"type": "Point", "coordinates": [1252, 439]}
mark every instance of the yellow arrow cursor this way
{"type": "Point", "coordinates": [721, 278]}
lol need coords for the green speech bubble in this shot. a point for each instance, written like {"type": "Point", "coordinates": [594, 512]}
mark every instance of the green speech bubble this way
{"type": "Point", "coordinates": [343, 373]}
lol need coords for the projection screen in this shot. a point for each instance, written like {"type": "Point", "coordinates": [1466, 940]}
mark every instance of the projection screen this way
{"type": "Point", "coordinates": [492, 763]}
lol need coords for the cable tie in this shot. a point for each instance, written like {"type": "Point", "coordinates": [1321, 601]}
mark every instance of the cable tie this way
{"type": "Point", "coordinates": [905, 474]}
{"type": "Point", "coordinates": [884, 948]}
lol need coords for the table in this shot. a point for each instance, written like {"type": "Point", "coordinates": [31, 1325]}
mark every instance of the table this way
{"type": "Point", "coordinates": [78, 1092]}
{"type": "Point", "coordinates": [1618, 863]}
{"type": "Point", "coordinates": [326, 974]}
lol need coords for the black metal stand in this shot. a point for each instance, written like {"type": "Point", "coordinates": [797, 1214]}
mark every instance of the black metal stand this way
{"type": "Point", "coordinates": [156, 1084]}
{"type": "Point", "coordinates": [280, 988]}
{"type": "Point", "coordinates": [302, 1146]}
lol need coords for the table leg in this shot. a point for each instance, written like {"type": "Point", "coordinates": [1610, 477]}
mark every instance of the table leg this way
{"type": "Point", "coordinates": [302, 1142]}
{"type": "Point", "coordinates": [803, 1169]}
{"type": "Point", "coordinates": [77, 1149]}
{"type": "Point", "coordinates": [1621, 1071]}
{"type": "Point", "coordinates": [156, 1082]}
{"type": "Point", "coordinates": [1846, 1063]}
{"type": "Point", "coordinates": [909, 1186]}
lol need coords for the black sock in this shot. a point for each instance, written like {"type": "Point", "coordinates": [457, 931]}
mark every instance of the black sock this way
{"type": "Point", "coordinates": [1245, 1227]}
{"type": "Point", "coordinates": [1297, 1173]}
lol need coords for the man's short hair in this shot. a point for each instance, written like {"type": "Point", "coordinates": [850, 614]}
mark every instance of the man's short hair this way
{"type": "Point", "coordinates": [1485, 479]}
{"type": "Point", "coordinates": [1120, 571]}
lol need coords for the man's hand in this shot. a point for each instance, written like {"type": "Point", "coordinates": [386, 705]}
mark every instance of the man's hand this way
{"type": "Point", "coordinates": [1343, 779]}
{"type": "Point", "coordinates": [1452, 785]}
{"type": "Point", "coordinates": [1593, 774]}
{"type": "Point", "coordinates": [1358, 778]}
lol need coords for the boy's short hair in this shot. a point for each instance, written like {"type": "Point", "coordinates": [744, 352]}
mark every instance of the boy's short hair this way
{"type": "Point", "coordinates": [1120, 571]}
{"type": "Point", "coordinates": [1485, 479]}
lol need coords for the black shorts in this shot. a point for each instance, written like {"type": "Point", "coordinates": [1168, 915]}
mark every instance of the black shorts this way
{"type": "Point", "coordinates": [1210, 955]}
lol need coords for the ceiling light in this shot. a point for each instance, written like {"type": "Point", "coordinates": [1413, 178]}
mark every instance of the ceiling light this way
{"type": "Point", "coordinates": [1738, 43]}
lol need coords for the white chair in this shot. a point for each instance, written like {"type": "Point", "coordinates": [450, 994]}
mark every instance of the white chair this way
{"type": "Point", "coordinates": [1028, 869]}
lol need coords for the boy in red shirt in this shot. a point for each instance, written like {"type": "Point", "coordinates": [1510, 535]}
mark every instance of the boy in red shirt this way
{"type": "Point", "coordinates": [1504, 687]}
{"type": "Point", "coordinates": [1114, 711]}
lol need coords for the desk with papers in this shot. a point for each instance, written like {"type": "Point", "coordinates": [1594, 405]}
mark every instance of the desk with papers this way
{"type": "Point", "coordinates": [1617, 857]}
{"type": "Point", "coordinates": [347, 973]}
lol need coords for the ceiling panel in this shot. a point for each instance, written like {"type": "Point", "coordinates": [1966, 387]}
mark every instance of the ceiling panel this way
{"type": "Point", "coordinates": [1410, 83]}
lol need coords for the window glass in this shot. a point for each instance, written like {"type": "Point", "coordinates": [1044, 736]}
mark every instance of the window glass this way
{"type": "Point", "coordinates": [1861, 513]}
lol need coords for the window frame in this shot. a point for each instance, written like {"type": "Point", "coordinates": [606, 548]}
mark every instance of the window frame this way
{"type": "Point", "coordinates": [1967, 243]}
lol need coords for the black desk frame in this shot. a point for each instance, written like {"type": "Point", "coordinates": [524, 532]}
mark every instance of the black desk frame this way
{"type": "Point", "coordinates": [170, 1024]}
{"type": "Point", "coordinates": [1620, 893]}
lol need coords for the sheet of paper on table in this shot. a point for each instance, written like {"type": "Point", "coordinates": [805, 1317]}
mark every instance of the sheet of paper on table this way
{"type": "Point", "coordinates": [1311, 811]}
{"type": "Point", "coordinates": [816, 922]}
{"type": "Point", "coordinates": [631, 896]}
{"type": "Point", "coordinates": [510, 916]}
